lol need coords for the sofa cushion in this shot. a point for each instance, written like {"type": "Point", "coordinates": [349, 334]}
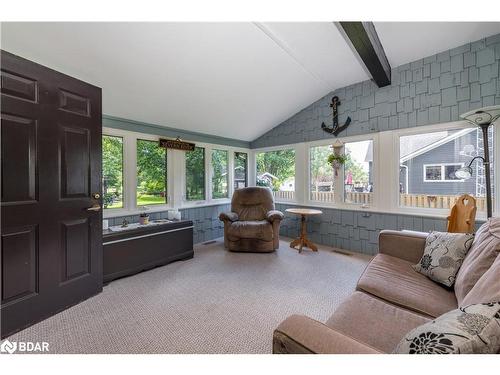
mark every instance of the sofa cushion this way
{"type": "Point", "coordinates": [443, 256]}
{"type": "Point", "coordinates": [395, 280]}
{"type": "Point", "coordinates": [373, 321]}
{"type": "Point", "coordinates": [487, 289]}
{"type": "Point", "coordinates": [262, 230]}
{"type": "Point", "coordinates": [481, 256]}
{"type": "Point", "coordinates": [473, 329]}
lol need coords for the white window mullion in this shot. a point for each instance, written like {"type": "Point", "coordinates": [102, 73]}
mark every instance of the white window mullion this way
{"type": "Point", "coordinates": [387, 172]}
{"type": "Point", "coordinates": [230, 173]}
{"type": "Point", "coordinates": [130, 172]}
{"type": "Point", "coordinates": [208, 174]}
{"type": "Point", "coordinates": [338, 183]}
{"type": "Point", "coordinates": [300, 173]}
{"type": "Point", "coordinates": [252, 168]}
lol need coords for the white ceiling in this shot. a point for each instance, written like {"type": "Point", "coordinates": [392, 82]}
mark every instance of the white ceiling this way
{"type": "Point", "coordinates": [409, 41]}
{"type": "Point", "coordinates": [235, 80]}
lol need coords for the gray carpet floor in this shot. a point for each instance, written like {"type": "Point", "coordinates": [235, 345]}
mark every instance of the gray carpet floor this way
{"type": "Point", "coordinates": [217, 302]}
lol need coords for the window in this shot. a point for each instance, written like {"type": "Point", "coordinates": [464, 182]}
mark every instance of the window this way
{"type": "Point", "coordinates": [322, 174]}
{"type": "Point", "coordinates": [112, 171]}
{"type": "Point", "coordinates": [443, 172]}
{"type": "Point", "coordinates": [240, 170]}
{"type": "Point", "coordinates": [358, 172]}
{"type": "Point", "coordinates": [151, 173]}
{"type": "Point", "coordinates": [427, 165]}
{"type": "Point", "coordinates": [276, 169]}
{"type": "Point", "coordinates": [195, 174]}
{"type": "Point", "coordinates": [220, 177]}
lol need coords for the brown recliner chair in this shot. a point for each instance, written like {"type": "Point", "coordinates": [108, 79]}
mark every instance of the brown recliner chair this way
{"type": "Point", "coordinates": [253, 224]}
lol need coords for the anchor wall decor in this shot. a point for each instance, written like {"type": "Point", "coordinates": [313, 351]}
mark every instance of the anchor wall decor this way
{"type": "Point", "coordinates": [335, 129]}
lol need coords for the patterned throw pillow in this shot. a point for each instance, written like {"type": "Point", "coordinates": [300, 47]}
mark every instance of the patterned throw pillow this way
{"type": "Point", "coordinates": [443, 256]}
{"type": "Point", "coordinates": [467, 330]}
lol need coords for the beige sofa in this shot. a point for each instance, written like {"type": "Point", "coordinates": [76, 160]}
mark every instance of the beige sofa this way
{"type": "Point", "coordinates": [391, 298]}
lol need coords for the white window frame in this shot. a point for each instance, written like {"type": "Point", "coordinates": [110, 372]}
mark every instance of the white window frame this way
{"type": "Point", "coordinates": [385, 168]}
{"type": "Point", "coordinates": [247, 167]}
{"type": "Point", "coordinates": [175, 169]}
{"type": "Point", "coordinates": [124, 197]}
{"type": "Point", "coordinates": [212, 173]}
{"type": "Point", "coordinates": [434, 212]}
{"type": "Point", "coordinates": [338, 185]}
{"type": "Point", "coordinates": [443, 174]}
{"type": "Point", "coordinates": [299, 150]}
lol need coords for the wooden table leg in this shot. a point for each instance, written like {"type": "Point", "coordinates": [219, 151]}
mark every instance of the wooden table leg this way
{"type": "Point", "coordinates": [303, 241]}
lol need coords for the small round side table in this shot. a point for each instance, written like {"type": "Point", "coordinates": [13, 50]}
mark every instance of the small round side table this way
{"type": "Point", "coordinates": [303, 241]}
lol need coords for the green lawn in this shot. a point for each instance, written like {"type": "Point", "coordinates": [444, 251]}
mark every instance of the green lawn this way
{"type": "Point", "coordinates": [117, 204]}
{"type": "Point", "coordinates": [144, 200]}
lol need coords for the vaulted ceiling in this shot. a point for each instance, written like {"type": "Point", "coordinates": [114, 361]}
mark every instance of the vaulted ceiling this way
{"type": "Point", "coordinates": [236, 80]}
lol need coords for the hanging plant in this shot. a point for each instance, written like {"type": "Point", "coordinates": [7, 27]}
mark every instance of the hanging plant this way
{"type": "Point", "coordinates": [337, 161]}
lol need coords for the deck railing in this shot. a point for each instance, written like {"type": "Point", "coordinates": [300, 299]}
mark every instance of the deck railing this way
{"type": "Point", "coordinates": [406, 200]}
{"type": "Point", "coordinates": [436, 201]}
{"type": "Point", "coordinates": [322, 196]}
{"type": "Point", "coordinates": [286, 195]}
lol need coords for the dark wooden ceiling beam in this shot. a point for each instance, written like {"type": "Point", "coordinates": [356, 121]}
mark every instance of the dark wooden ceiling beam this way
{"type": "Point", "coordinates": [364, 39]}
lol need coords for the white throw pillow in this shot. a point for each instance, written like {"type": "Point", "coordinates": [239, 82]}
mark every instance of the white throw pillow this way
{"type": "Point", "coordinates": [443, 256]}
{"type": "Point", "coordinates": [471, 329]}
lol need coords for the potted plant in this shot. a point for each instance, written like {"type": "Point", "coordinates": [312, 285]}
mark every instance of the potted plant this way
{"type": "Point", "coordinates": [337, 161]}
{"type": "Point", "coordinates": [144, 218]}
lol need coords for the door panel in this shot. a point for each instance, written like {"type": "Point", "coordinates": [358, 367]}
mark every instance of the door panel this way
{"type": "Point", "coordinates": [74, 103]}
{"type": "Point", "coordinates": [75, 162]}
{"type": "Point", "coordinates": [19, 260]}
{"type": "Point", "coordinates": [19, 87]}
{"type": "Point", "coordinates": [75, 248]}
{"type": "Point", "coordinates": [19, 178]}
{"type": "Point", "coordinates": [51, 166]}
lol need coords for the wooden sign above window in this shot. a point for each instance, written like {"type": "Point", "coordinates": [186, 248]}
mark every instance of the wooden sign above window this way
{"type": "Point", "coordinates": [177, 144]}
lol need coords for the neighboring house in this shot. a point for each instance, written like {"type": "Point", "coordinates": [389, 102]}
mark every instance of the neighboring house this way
{"type": "Point", "coordinates": [266, 179]}
{"type": "Point", "coordinates": [288, 184]}
{"type": "Point", "coordinates": [428, 163]}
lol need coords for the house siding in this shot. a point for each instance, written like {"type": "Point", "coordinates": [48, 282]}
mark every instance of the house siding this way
{"type": "Point", "coordinates": [447, 153]}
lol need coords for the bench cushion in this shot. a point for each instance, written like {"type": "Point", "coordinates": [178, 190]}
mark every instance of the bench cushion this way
{"type": "Point", "coordinates": [394, 280]}
{"type": "Point", "coordinates": [374, 322]}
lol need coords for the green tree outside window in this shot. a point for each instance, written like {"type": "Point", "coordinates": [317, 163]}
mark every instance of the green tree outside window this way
{"type": "Point", "coordinates": [112, 171]}
{"type": "Point", "coordinates": [220, 177]}
{"type": "Point", "coordinates": [195, 174]}
{"type": "Point", "coordinates": [151, 173]}
{"type": "Point", "coordinates": [275, 167]}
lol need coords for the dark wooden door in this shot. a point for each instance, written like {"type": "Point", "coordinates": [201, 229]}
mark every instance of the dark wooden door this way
{"type": "Point", "coordinates": [51, 244]}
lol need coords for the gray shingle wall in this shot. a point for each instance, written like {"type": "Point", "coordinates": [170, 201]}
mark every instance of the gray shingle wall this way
{"type": "Point", "coordinates": [431, 90]}
{"type": "Point", "coordinates": [355, 230]}
{"type": "Point", "coordinates": [205, 219]}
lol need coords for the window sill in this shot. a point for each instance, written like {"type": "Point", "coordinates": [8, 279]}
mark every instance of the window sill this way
{"type": "Point", "coordinates": [214, 202]}
{"type": "Point", "coordinates": [118, 212]}
{"type": "Point", "coordinates": [430, 213]}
